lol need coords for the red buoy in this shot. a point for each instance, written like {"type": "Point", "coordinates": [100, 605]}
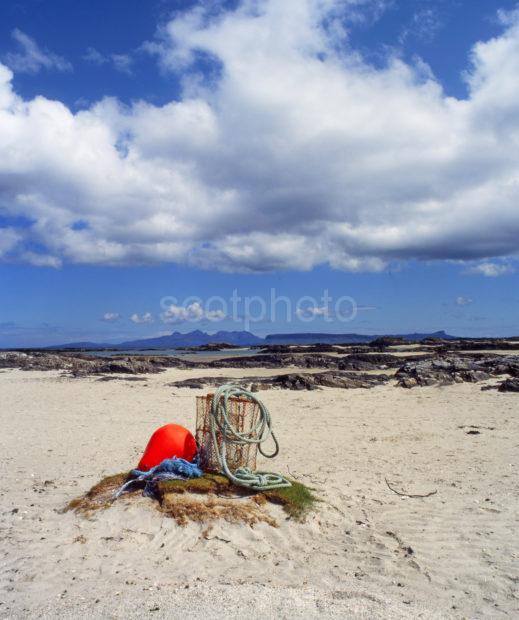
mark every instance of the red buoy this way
{"type": "Point", "coordinates": [166, 442]}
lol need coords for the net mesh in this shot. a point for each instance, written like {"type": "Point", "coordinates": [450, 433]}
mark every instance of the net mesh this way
{"type": "Point", "coordinates": [243, 415]}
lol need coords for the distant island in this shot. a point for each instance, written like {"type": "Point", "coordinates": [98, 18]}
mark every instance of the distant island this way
{"type": "Point", "coordinates": [198, 338]}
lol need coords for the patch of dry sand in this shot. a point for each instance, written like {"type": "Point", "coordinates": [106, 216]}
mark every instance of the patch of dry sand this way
{"type": "Point", "coordinates": [366, 553]}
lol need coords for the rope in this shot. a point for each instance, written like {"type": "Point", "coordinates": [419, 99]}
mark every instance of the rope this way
{"type": "Point", "coordinates": [243, 476]}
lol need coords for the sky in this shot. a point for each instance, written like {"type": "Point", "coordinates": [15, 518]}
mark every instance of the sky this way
{"type": "Point", "coordinates": [270, 165]}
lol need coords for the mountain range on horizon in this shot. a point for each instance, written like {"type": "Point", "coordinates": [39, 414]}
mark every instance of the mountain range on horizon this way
{"type": "Point", "coordinates": [177, 340]}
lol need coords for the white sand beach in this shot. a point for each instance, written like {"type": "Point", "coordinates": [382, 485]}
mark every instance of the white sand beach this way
{"type": "Point", "coordinates": [365, 553]}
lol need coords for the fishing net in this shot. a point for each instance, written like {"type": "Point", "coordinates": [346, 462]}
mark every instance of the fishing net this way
{"type": "Point", "coordinates": [243, 416]}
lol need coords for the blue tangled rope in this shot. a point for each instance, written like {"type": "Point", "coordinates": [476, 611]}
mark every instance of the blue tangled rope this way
{"type": "Point", "coordinates": [170, 469]}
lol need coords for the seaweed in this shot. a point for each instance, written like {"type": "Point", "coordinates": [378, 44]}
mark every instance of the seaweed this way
{"type": "Point", "coordinates": [186, 508]}
{"type": "Point", "coordinates": [297, 500]}
{"type": "Point", "coordinates": [208, 483]}
{"type": "Point", "coordinates": [177, 498]}
{"type": "Point", "coordinates": [99, 496]}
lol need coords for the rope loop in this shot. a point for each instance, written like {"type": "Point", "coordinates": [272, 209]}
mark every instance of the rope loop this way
{"type": "Point", "coordinates": [259, 434]}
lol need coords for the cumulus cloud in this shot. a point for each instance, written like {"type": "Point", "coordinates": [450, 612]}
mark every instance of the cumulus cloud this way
{"type": "Point", "coordinates": [147, 317]}
{"type": "Point", "coordinates": [192, 312]}
{"type": "Point", "coordinates": [463, 301]}
{"type": "Point", "coordinates": [32, 58]}
{"type": "Point", "coordinates": [111, 316]}
{"type": "Point", "coordinates": [492, 270]}
{"type": "Point", "coordinates": [290, 151]}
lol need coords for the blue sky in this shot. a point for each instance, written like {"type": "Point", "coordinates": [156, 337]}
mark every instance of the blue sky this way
{"type": "Point", "coordinates": [154, 154]}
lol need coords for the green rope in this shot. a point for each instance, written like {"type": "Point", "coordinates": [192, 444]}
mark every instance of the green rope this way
{"type": "Point", "coordinates": [243, 476]}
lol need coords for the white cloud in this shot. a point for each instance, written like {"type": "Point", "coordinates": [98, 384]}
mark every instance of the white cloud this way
{"type": "Point", "coordinates": [147, 317]}
{"type": "Point", "coordinates": [424, 26]}
{"type": "Point", "coordinates": [95, 57]}
{"type": "Point", "coordinates": [492, 270]}
{"type": "Point", "coordinates": [40, 260]}
{"type": "Point", "coordinates": [312, 312]}
{"type": "Point", "coordinates": [463, 301]}
{"type": "Point", "coordinates": [294, 152]}
{"type": "Point", "coordinates": [121, 62]}
{"type": "Point", "coordinates": [9, 238]}
{"type": "Point", "coordinates": [192, 312]}
{"type": "Point", "coordinates": [32, 58]}
{"type": "Point", "coordinates": [111, 316]}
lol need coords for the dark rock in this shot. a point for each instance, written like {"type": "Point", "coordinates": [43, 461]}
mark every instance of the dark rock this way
{"type": "Point", "coordinates": [291, 381]}
{"type": "Point", "coordinates": [334, 363]}
{"type": "Point", "coordinates": [353, 361]}
{"type": "Point", "coordinates": [387, 341]}
{"type": "Point", "coordinates": [291, 349]}
{"type": "Point", "coordinates": [276, 360]}
{"type": "Point", "coordinates": [442, 371]}
{"type": "Point", "coordinates": [474, 376]}
{"type": "Point", "coordinates": [116, 378]}
{"type": "Point", "coordinates": [78, 365]}
{"type": "Point", "coordinates": [212, 346]}
{"type": "Point", "coordinates": [369, 361]}
{"type": "Point", "coordinates": [510, 385]}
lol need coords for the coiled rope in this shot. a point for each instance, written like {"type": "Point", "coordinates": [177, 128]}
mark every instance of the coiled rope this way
{"type": "Point", "coordinates": [243, 476]}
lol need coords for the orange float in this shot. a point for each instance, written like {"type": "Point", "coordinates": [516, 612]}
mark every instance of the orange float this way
{"type": "Point", "coordinates": [166, 442]}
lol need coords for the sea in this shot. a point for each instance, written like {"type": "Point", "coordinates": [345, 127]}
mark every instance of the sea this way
{"type": "Point", "coordinates": [242, 352]}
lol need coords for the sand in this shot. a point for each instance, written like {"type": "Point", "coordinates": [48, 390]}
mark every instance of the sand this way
{"type": "Point", "coordinates": [365, 553]}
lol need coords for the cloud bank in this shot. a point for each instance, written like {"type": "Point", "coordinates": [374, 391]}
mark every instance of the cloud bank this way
{"type": "Point", "coordinates": [289, 151]}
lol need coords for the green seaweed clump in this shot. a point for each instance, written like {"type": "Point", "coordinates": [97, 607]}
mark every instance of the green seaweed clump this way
{"type": "Point", "coordinates": [208, 483]}
{"type": "Point", "coordinates": [297, 500]}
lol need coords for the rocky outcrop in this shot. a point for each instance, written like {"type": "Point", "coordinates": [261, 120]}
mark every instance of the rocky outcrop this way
{"type": "Point", "coordinates": [354, 361]}
{"type": "Point", "coordinates": [41, 361]}
{"type": "Point", "coordinates": [387, 341]}
{"type": "Point", "coordinates": [276, 360]}
{"type": "Point", "coordinates": [334, 370]}
{"type": "Point", "coordinates": [333, 379]}
{"type": "Point", "coordinates": [377, 361]}
{"type": "Point", "coordinates": [78, 365]}
{"type": "Point", "coordinates": [343, 380]}
{"type": "Point", "coordinates": [481, 345]}
{"type": "Point", "coordinates": [290, 381]}
{"type": "Point", "coordinates": [212, 346]}
{"type": "Point", "coordinates": [442, 371]}
{"type": "Point", "coordinates": [313, 348]}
